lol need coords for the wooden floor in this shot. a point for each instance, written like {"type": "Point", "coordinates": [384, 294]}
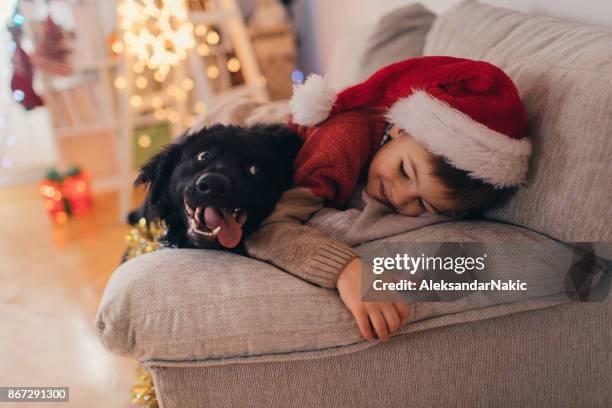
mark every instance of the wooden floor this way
{"type": "Point", "coordinates": [51, 281]}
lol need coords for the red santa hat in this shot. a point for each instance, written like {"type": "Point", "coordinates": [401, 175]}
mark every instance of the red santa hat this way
{"type": "Point", "coordinates": [466, 111]}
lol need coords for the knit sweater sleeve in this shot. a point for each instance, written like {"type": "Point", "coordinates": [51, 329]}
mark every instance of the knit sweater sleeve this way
{"type": "Point", "coordinates": [288, 243]}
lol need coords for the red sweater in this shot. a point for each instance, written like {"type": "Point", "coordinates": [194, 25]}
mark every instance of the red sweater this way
{"type": "Point", "coordinates": [337, 153]}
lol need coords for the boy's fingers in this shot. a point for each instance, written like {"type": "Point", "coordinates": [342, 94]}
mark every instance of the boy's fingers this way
{"type": "Point", "coordinates": [364, 324]}
{"type": "Point", "coordinates": [391, 317]}
{"type": "Point", "coordinates": [378, 321]}
{"type": "Point", "coordinates": [402, 310]}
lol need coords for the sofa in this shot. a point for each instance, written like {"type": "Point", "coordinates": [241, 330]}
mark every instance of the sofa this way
{"type": "Point", "coordinates": [222, 330]}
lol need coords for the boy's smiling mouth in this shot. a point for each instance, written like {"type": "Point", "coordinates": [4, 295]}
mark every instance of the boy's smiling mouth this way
{"type": "Point", "coordinates": [383, 195]}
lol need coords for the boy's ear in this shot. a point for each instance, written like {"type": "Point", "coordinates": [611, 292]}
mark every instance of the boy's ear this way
{"type": "Point", "coordinates": [157, 171]}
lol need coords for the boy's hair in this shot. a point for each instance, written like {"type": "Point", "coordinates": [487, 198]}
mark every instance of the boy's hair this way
{"type": "Point", "coordinates": [469, 195]}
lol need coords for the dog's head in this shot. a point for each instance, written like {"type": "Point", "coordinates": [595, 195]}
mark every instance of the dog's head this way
{"type": "Point", "coordinates": [214, 187]}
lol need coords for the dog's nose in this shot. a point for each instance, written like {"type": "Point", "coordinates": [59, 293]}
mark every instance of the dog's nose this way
{"type": "Point", "coordinates": [213, 184]}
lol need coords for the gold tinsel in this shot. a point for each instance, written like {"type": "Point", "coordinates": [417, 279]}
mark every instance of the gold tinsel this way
{"type": "Point", "coordinates": [142, 239]}
{"type": "Point", "coordinates": [143, 391]}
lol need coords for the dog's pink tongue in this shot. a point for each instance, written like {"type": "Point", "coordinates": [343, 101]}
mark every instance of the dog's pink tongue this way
{"type": "Point", "coordinates": [231, 231]}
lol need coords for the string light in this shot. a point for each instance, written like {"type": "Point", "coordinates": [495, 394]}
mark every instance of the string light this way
{"type": "Point", "coordinates": [18, 95]}
{"type": "Point", "coordinates": [159, 77]}
{"type": "Point", "coordinates": [141, 82]}
{"type": "Point", "coordinates": [144, 141]}
{"type": "Point", "coordinates": [120, 83]}
{"type": "Point", "coordinates": [157, 102]}
{"type": "Point", "coordinates": [203, 50]}
{"type": "Point", "coordinates": [157, 32]}
{"type": "Point", "coordinates": [213, 38]}
{"type": "Point", "coordinates": [117, 47]}
{"type": "Point", "coordinates": [187, 84]}
{"type": "Point", "coordinates": [173, 116]}
{"type": "Point", "coordinates": [138, 68]}
{"type": "Point", "coordinates": [201, 30]}
{"type": "Point", "coordinates": [233, 65]}
{"type": "Point", "coordinates": [212, 72]}
{"type": "Point", "coordinates": [297, 77]}
{"type": "Point", "coordinates": [160, 114]}
{"type": "Point", "coordinates": [135, 100]}
{"type": "Point", "coordinates": [200, 107]}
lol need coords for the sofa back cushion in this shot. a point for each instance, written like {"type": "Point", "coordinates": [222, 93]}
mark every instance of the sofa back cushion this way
{"type": "Point", "coordinates": [563, 71]}
{"type": "Point", "coordinates": [398, 35]}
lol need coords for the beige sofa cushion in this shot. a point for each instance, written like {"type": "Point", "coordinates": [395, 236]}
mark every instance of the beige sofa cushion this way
{"type": "Point", "coordinates": [399, 34]}
{"type": "Point", "coordinates": [204, 307]}
{"type": "Point", "coordinates": [564, 74]}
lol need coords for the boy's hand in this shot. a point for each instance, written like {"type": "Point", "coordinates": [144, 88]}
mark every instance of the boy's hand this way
{"type": "Point", "coordinates": [386, 317]}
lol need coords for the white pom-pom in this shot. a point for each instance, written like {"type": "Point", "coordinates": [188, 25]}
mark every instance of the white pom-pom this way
{"type": "Point", "coordinates": [312, 101]}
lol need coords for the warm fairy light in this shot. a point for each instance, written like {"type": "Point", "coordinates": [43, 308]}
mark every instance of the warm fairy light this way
{"type": "Point", "coordinates": [180, 95]}
{"type": "Point", "coordinates": [233, 65]}
{"type": "Point", "coordinates": [47, 191]}
{"type": "Point", "coordinates": [144, 141]}
{"type": "Point", "coordinates": [117, 47]}
{"type": "Point", "coordinates": [138, 68]}
{"type": "Point", "coordinates": [200, 107]}
{"type": "Point", "coordinates": [57, 196]}
{"type": "Point", "coordinates": [135, 100]}
{"type": "Point", "coordinates": [187, 84]}
{"type": "Point", "coordinates": [159, 77]}
{"type": "Point", "coordinates": [159, 114]}
{"type": "Point", "coordinates": [156, 32]}
{"type": "Point", "coordinates": [203, 50]}
{"type": "Point", "coordinates": [141, 82]}
{"type": "Point", "coordinates": [173, 116]}
{"type": "Point", "coordinates": [213, 38]}
{"type": "Point", "coordinates": [120, 83]}
{"type": "Point", "coordinates": [212, 72]}
{"type": "Point", "coordinates": [201, 30]}
{"type": "Point", "coordinates": [173, 90]}
{"type": "Point", "coordinates": [157, 102]}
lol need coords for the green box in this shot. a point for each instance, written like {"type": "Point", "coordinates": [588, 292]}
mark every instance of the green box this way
{"type": "Point", "coordinates": [147, 141]}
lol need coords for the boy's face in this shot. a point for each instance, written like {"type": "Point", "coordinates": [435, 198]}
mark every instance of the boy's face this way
{"type": "Point", "coordinates": [399, 177]}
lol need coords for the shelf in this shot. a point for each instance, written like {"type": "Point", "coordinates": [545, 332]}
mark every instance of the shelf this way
{"type": "Point", "coordinates": [209, 17]}
{"type": "Point", "coordinates": [84, 130]}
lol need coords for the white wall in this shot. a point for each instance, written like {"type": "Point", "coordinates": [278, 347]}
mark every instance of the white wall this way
{"type": "Point", "coordinates": [326, 20]}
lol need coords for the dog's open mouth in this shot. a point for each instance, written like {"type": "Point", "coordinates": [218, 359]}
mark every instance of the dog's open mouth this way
{"type": "Point", "coordinates": [221, 224]}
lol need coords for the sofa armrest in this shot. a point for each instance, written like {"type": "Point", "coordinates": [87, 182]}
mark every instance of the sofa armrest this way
{"type": "Point", "coordinates": [198, 307]}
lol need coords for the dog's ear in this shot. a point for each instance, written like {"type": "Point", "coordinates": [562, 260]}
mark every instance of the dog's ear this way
{"type": "Point", "coordinates": [287, 142]}
{"type": "Point", "coordinates": [157, 171]}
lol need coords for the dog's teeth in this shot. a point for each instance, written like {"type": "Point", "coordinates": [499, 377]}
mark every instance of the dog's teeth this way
{"type": "Point", "coordinates": [216, 230]}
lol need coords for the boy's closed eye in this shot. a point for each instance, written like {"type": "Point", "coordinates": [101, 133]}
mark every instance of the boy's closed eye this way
{"type": "Point", "coordinates": [405, 175]}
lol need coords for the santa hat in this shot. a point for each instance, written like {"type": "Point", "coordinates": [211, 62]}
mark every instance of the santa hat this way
{"type": "Point", "coordinates": [467, 111]}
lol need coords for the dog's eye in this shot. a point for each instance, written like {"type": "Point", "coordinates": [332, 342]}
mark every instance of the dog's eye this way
{"type": "Point", "coordinates": [203, 156]}
{"type": "Point", "coordinates": [254, 170]}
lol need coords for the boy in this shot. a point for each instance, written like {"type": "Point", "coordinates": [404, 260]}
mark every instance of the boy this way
{"type": "Point", "coordinates": [430, 134]}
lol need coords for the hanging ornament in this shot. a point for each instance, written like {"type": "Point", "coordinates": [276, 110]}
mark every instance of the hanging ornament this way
{"type": "Point", "coordinates": [22, 85]}
{"type": "Point", "coordinates": [52, 52]}
{"type": "Point", "coordinates": [156, 32]}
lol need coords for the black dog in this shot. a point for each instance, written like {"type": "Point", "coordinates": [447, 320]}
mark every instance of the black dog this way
{"type": "Point", "coordinates": [215, 187]}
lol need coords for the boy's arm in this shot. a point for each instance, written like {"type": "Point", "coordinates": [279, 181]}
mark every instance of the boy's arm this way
{"type": "Point", "coordinates": [285, 241]}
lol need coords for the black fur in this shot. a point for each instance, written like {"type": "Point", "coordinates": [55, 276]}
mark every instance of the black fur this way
{"type": "Point", "coordinates": [172, 174]}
